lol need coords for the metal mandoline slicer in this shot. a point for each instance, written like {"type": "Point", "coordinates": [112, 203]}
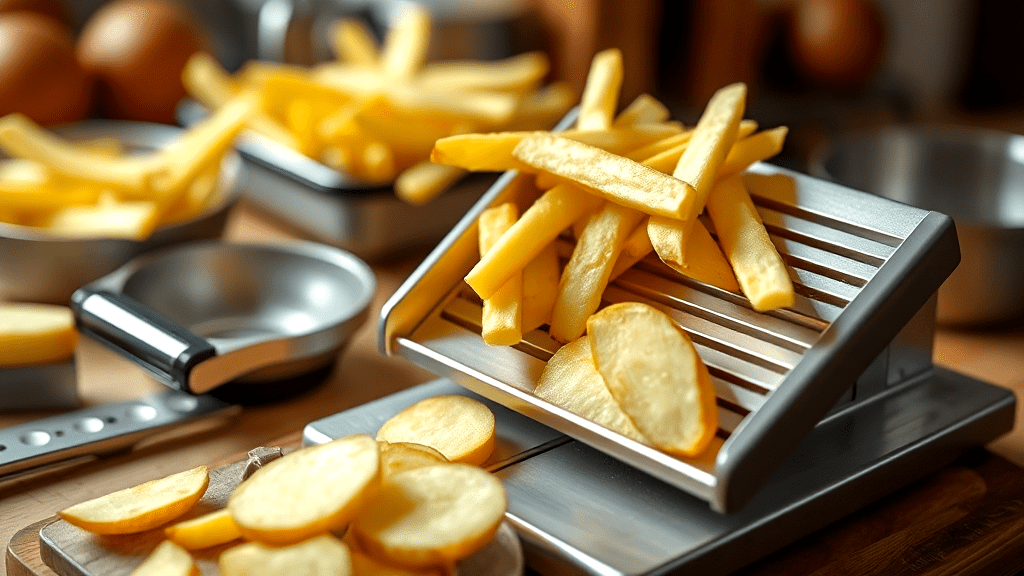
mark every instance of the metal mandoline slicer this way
{"type": "Point", "coordinates": [824, 407]}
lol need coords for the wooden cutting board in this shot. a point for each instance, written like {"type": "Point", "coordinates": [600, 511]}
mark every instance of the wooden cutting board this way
{"type": "Point", "coordinates": [967, 519]}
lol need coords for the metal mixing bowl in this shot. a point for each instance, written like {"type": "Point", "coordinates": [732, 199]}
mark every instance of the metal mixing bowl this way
{"type": "Point", "coordinates": [976, 177]}
{"type": "Point", "coordinates": [40, 267]}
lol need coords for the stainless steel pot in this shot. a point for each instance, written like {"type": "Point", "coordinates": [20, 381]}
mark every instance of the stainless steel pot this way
{"type": "Point", "coordinates": [976, 177]}
{"type": "Point", "coordinates": [40, 267]}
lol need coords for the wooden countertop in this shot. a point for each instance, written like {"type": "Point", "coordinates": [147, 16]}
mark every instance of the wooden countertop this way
{"type": "Point", "coordinates": [362, 375]}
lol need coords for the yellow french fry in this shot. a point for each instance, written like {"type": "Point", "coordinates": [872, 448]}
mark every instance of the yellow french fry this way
{"type": "Point", "coordinates": [207, 81]}
{"type": "Point", "coordinates": [704, 260]}
{"type": "Point", "coordinates": [653, 149]}
{"type": "Point", "coordinates": [601, 91]}
{"type": "Point", "coordinates": [760, 270]}
{"type": "Point", "coordinates": [586, 275]}
{"type": "Point", "coordinates": [22, 138]}
{"type": "Point", "coordinates": [519, 74]}
{"type": "Point", "coordinates": [712, 139]}
{"type": "Point", "coordinates": [134, 220]}
{"type": "Point", "coordinates": [377, 163]}
{"type": "Point", "coordinates": [502, 322]}
{"type": "Point", "coordinates": [540, 288]}
{"type": "Point", "coordinates": [425, 181]}
{"type": "Point", "coordinates": [747, 151]}
{"type": "Point", "coordinates": [300, 122]}
{"type": "Point", "coordinates": [539, 225]}
{"type": "Point", "coordinates": [636, 247]}
{"type": "Point", "coordinates": [406, 44]}
{"type": "Point", "coordinates": [493, 151]}
{"type": "Point", "coordinates": [614, 177]}
{"type": "Point", "coordinates": [353, 42]}
{"type": "Point", "coordinates": [644, 109]}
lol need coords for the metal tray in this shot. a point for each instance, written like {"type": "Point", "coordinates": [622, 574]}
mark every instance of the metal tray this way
{"type": "Point", "coordinates": [325, 204]}
{"type": "Point", "coordinates": [863, 267]}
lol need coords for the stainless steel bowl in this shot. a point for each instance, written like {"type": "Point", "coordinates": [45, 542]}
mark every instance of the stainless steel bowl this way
{"type": "Point", "coordinates": [976, 177]}
{"type": "Point", "coordinates": [40, 267]}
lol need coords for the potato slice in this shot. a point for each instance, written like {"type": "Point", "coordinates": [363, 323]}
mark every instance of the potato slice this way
{"type": "Point", "coordinates": [396, 457]}
{"type": "Point", "coordinates": [459, 427]}
{"type": "Point", "coordinates": [323, 554]}
{"type": "Point", "coordinates": [652, 369]}
{"type": "Point", "coordinates": [36, 334]}
{"type": "Point", "coordinates": [167, 559]}
{"type": "Point", "coordinates": [307, 492]}
{"type": "Point", "coordinates": [363, 565]}
{"type": "Point", "coordinates": [431, 516]}
{"type": "Point", "coordinates": [571, 381]}
{"type": "Point", "coordinates": [142, 507]}
{"type": "Point", "coordinates": [204, 531]}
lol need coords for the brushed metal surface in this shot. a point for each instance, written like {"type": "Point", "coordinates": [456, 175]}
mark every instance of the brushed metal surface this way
{"type": "Point", "coordinates": [976, 176]}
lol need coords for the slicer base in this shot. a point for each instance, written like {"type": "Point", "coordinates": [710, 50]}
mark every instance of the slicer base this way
{"type": "Point", "coordinates": [579, 511]}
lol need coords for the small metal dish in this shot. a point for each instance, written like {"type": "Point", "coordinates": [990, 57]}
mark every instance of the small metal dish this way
{"type": "Point", "coordinates": [329, 206]}
{"type": "Point", "coordinates": [976, 177]}
{"type": "Point", "coordinates": [40, 267]}
{"type": "Point", "coordinates": [250, 316]}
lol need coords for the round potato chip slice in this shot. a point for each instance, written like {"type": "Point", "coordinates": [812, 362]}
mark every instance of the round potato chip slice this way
{"type": "Point", "coordinates": [141, 507]}
{"type": "Point", "coordinates": [307, 492]}
{"type": "Point", "coordinates": [398, 456]}
{"type": "Point", "coordinates": [316, 556]}
{"type": "Point", "coordinates": [431, 516]}
{"type": "Point", "coordinates": [459, 427]}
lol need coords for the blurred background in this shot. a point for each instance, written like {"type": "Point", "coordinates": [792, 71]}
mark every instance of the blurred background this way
{"type": "Point", "coordinates": [818, 66]}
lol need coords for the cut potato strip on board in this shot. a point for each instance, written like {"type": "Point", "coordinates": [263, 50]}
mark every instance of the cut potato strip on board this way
{"type": "Point", "coordinates": [654, 373]}
{"type": "Point", "coordinates": [760, 270]}
{"type": "Point", "coordinates": [460, 428]}
{"type": "Point", "coordinates": [36, 334]}
{"type": "Point", "coordinates": [142, 507]}
{"type": "Point", "coordinates": [431, 516]}
{"type": "Point", "coordinates": [307, 492]}
{"type": "Point", "coordinates": [571, 381]}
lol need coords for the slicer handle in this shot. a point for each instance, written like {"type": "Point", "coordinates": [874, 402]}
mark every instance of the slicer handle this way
{"type": "Point", "coordinates": [164, 348]}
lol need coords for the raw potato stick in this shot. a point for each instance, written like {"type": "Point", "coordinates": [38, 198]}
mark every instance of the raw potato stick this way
{"type": "Point", "coordinates": [601, 92]}
{"type": "Point", "coordinates": [751, 149]}
{"type": "Point", "coordinates": [644, 109]}
{"type": "Point", "coordinates": [502, 321]}
{"type": "Point", "coordinates": [425, 181]}
{"type": "Point", "coordinates": [353, 42]}
{"type": "Point", "coordinates": [618, 179]}
{"type": "Point", "coordinates": [540, 288]}
{"type": "Point", "coordinates": [539, 225]}
{"type": "Point", "coordinates": [406, 44]}
{"type": "Point", "coordinates": [712, 138]}
{"type": "Point", "coordinates": [760, 270]}
{"type": "Point", "coordinates": [586, 275]}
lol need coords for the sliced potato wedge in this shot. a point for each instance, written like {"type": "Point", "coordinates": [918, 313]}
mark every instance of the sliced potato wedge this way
{"type": "Point", "coordinates": [204, 531]}
{"type": "Point", "coordinates": [396, 457]}
{"type": "Point", "coordinates": [431, 516]}
{"type": "Point", "coordinates": [323, 554]}
{"type": "Point", "coordinates": [141, 507]}
{"type": "Point", "coordinates": [652, 369]}
{"type": "Point", "coordinates": [307, 492]}
{"type": "Point", "coordinates": [571, 381]}
{"type": "Point", "coordinates": [459, 427]}
{"type": "Point", "coordinates": [167, 559]}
